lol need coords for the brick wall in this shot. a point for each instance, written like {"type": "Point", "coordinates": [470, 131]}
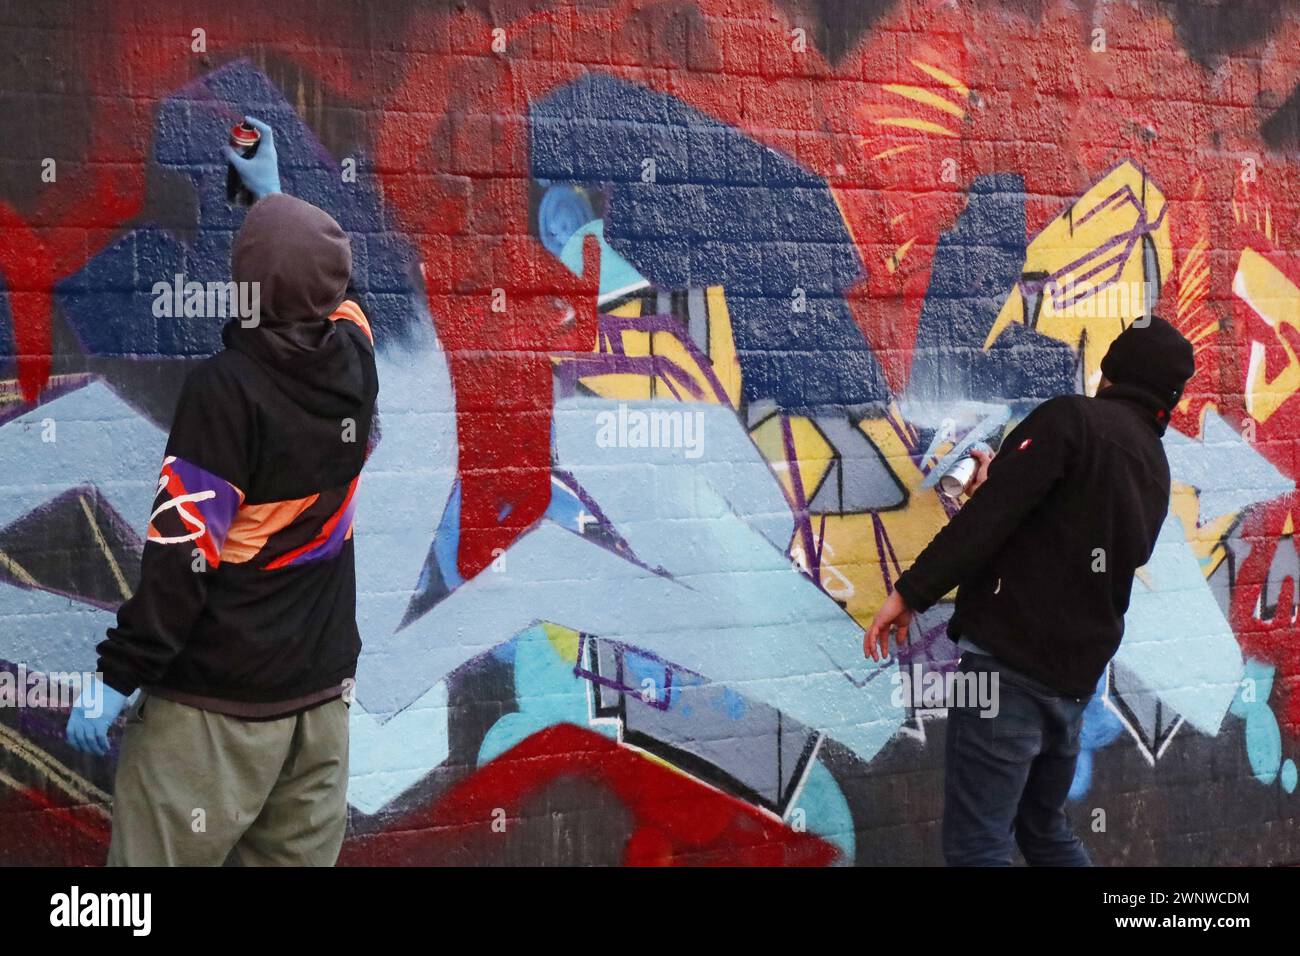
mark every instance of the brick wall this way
{"type": "Point", "coordinates": [815, 246]}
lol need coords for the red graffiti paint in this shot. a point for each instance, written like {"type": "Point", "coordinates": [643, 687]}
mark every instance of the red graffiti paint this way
{"type": "Point", "coordinates": [452, 145]}
{"type": "Point", "coordinates": [1263, 610]}
{"type": "Point", "coordinates": [675, 819]}
{"type": "Point", "coordinates": [1023, 95]}
{"type": "Point", "coordinates": [36, 830]}
{"type": "Point", "coordinates": [27, 271]}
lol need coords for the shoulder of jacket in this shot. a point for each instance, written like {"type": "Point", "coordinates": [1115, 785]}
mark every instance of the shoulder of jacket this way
{"type": "Point", "coordinates": [360, 336]}
{"type": "Point", "coordinates": [223, 374]}
{"type": "Point", "coordinates": [1070, 403]}
{"type": "Point", "coordinates": [1065, 417]}
{"type": "Point", "coordinates": [1065, 410]}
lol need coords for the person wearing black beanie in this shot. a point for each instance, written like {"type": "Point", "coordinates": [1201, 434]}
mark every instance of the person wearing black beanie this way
{"type": "Point", "coordinates": [1043, 558]}
{"type": "Point", "coordinates": [1151, 356]}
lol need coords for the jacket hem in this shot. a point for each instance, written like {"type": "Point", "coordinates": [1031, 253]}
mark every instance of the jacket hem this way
{"type": "Point", "coordinates": [254, 709]}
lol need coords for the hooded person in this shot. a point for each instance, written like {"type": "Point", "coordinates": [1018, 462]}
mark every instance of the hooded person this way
{"type": "Point", "coordinates": [242, 634]}
{"type": "Point", "coordinates": [300, 261]}
{"type": "Point", "coordinates": [1042, 556]}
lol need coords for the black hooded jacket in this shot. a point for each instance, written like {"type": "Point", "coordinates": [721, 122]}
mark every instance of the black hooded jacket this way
{"type": "Point", "coordinates": [1044, 552]}
{"type": "Point", "coordinates": [247, 597]}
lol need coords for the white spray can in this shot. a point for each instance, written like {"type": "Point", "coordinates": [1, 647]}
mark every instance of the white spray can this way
{"type": "Point", "coordinates": [955, 480]}
{"type": "Point", "coordinates": [958, 477]}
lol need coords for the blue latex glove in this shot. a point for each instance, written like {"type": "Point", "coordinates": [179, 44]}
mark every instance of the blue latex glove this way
{"type": "Point", "coordinates": [89, 723]}
{"type": "Point", "coordinates": [261, 174]}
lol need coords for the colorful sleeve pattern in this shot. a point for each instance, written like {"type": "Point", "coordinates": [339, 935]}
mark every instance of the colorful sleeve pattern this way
{"type": "Point", "coordinates": [193, 506]}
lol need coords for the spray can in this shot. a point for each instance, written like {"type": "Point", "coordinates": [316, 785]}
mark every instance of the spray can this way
{"type": "Point", "coordinates": [243, 140]}
{"type": "Point", "coordinates": [958, 477]}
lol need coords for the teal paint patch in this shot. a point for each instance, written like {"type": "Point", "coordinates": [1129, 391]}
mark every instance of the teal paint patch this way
{"type": "Point", "coordinates": [547, 691]}
{"type": "Point", "coordinates": [826, 812]}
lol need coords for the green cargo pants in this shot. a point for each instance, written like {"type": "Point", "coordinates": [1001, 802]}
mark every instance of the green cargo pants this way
{"type": "Point", "coordinates": [194, 788]}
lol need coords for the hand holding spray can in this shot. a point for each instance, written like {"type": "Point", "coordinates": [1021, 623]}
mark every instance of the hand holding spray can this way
{"type": "Point", "coordinates": [243, 140]}
{"type": "Point", "coordinates": [954, 482]}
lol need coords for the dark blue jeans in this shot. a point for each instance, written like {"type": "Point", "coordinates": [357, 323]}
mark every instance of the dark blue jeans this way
{"type": "Point", "coordinates": [1007, 776]}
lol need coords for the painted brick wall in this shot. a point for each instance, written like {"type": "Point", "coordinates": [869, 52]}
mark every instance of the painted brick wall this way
{"type": "Point", "coordinates": [824, 245]}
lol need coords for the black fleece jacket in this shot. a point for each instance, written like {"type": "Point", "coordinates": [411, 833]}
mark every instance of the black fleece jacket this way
{"type": "Point", "coordinates": [1043, 554]}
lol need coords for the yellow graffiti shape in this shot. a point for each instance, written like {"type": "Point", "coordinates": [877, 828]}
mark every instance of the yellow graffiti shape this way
{"type": "Point", "coordinates": [678, 365]}
{"type": "Point", "coordinates": [1089, 273]}
{"type": "Point", "coordinates": [855, 562]}
{"type": "Point", "coordinates": [1275, 299]}
{"type": "Point", "coordinates": [812, 453]}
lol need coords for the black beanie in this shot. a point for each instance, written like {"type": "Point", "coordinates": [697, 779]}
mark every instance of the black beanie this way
{"type": "Point", "coordinates": [1152, 354]}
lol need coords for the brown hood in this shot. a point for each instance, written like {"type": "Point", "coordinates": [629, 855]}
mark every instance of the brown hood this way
{"type": "Point", "coordinates": [299, 256]}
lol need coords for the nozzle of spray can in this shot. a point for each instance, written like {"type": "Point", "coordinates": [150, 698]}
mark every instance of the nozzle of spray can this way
{"type": "Point", "coordinates": [243, 140]}
{"type": "Point", "coordinates": [954, 482]}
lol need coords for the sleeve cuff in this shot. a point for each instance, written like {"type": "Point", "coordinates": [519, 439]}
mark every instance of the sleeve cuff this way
{"type": "Point", "coordinates": [119, 681]}
{"type": "Point", "coordinates": [912, 598]}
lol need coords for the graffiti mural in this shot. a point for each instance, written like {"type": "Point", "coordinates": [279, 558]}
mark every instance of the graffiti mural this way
{"type": "Point", "coordinates": [682, 308]}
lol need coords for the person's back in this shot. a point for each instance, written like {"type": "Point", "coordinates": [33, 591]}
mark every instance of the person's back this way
{"type": "Point", "coordinates": [1051, 601]}
{"type": "Point", "coordinates": [242, 634]}
{"type": "Point", "coordinates": [265, 451]}
{"type": "Point", "coordinates": [1043, 557]}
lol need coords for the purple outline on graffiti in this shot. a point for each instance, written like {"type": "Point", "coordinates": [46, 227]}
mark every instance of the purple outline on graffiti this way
{"type": "Point", "coordinates": [821, 542]}
{"type": "Point", "coordinates": [670, 325]}
{"type": "Point", "coordinates": [907, 434]}
{"type": "Point", "coordinates": [620, 545]}
{"type": "Point", "coordinates": [802, 516]}
{"type": "Point", "coordinates": [611, 359]}
{"type": "Point", "coordinates": [921, 650]}
{"type": "Point", "coordinates": [84, 493]}
{"type": "Point", "coordinates": [574, 367]}
{"type": "Point", "coordinates": [58, 386]}
{"type": "Point", "coordinates": [1127, 239]}
{"type": "Point", "coordinates": [885, 552]}
{"type": "Point", "coordinates": [617, 683]}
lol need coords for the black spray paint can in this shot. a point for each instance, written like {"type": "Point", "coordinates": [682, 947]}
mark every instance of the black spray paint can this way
{"type": "Point", "coordinates": [243, 140]}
